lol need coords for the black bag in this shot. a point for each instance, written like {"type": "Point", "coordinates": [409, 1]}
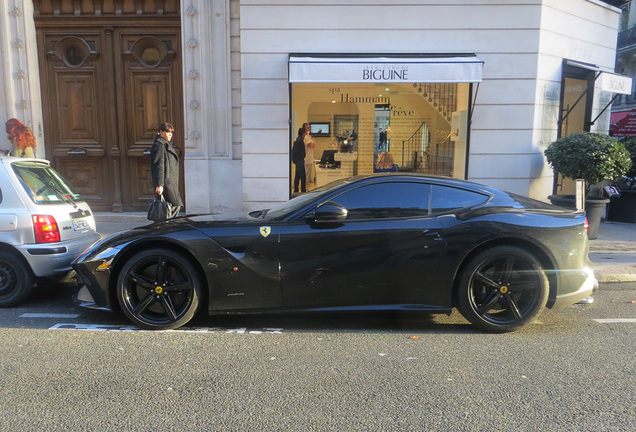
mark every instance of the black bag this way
{"type": "Point", "coordinates": [159, 209]}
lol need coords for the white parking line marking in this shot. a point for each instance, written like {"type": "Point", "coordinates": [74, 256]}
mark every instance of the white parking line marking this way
{"type": "Point", "coordinates": [49, 315]}
{"type": "Point", "coordinates": [615, 320]}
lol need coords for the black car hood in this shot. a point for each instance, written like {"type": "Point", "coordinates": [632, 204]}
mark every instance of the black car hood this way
{"type": "Point", "coordinates": [179, 224]}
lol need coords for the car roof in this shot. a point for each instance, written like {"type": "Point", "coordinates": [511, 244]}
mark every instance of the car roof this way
{"type": "Point", "coordinates": [447, 181]}
{"type": "Point", "coordinates": [7, 160]}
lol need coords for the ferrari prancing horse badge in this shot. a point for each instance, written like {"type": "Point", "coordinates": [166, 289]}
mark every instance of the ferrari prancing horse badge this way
{"type": "Point", "coordinates": [265, 230]}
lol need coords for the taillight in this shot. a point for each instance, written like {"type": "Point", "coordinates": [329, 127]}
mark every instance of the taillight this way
{"type": "Point", "coordinates": [46, 230]}
{"type": "Point", "coordinates": [586, 225]}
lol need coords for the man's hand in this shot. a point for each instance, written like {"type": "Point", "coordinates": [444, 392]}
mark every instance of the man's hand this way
{"type": "Point", "coordinates": [159, 190]}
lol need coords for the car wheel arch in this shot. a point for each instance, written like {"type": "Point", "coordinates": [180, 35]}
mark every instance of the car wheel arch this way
{"type": "Point", "coordinates": [5, 247]}
{"type": "Point", "coordinates": [146, 244]}
{"type": "Point", "coordinates": [541, 255]}
{"type": "Point", "coordinates": [15, 265]}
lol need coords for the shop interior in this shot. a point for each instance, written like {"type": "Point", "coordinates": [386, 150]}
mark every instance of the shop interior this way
{"type": "Point", "coordinates": [422, 126]}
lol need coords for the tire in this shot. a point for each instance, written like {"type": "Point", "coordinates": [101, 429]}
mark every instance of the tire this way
{"type": "Point", "coordinates": [159, 290]}
{"type": "Point", "coordinates": [502, 289]}
{"type": "Point", "coordinates": [16, 279]}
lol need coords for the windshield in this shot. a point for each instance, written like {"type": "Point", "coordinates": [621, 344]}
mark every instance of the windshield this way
{"type": "Point", "coordinates": [43, 184]}
{"type": "Point", "coordinates": [283, 210]}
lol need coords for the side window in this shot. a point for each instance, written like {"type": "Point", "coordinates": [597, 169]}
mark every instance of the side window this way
{"type": "Point", "coordinates": [446, 198]}
{"type": "Point", "coordinates": [386, 200]}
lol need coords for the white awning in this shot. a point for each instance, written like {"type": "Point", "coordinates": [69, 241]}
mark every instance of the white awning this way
{"type": "Point", "coordinates": [460, 69]}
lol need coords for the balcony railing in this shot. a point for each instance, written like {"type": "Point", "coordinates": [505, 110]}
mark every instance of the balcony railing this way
{"type": "Point", "coordinates": [627, 37]}
{"type": "Point", "coordinates": [623, 101]}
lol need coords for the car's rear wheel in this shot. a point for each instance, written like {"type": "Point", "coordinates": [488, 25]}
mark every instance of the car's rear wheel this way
{"type": "Point", "coordinates": [502, 289]}
{"type": "Point", "coordinates": [158, 289]}
{"type": "Point", "coordinates": [16, 279]}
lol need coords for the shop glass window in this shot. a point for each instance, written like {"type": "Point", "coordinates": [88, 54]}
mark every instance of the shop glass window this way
{"type": "Point", "coordinates": [386, 200]}
{"type": "Point", "coordinates": [445, 199]}
{"type": "Point", "coordinates": [422, 125]}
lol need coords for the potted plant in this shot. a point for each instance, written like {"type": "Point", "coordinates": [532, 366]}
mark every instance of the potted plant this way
{"type": "Point", "coordinates": [630, 145]}
{"type": "Point", "coordinates": [593, 157]}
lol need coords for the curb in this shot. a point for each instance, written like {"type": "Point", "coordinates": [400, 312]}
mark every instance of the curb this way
{"type": "Point", "coordinates": [614, 278]}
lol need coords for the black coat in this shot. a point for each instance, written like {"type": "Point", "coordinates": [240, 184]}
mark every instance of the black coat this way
{"type": "Point", "coordinates": [298, 152]}
{"type": "Point", "coordinates": [165, 170]}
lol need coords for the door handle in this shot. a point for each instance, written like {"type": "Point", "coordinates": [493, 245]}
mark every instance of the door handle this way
{"type": "Point", "coordinates": [76, 152]}
{"type": "Point", "coordinates": [147, 152]}
{"type": "Point", "coordinates": [433, 235]}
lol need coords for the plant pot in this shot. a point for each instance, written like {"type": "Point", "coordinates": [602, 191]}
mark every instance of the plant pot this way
{"type": "Point", "coordinates": [593, 209]}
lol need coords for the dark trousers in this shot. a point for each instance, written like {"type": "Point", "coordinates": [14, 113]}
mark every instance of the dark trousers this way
{"type": "Point", "coordinates": [300, 177]}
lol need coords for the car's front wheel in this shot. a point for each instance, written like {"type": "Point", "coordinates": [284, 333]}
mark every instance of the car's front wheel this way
{"type": "Point", "coordinates": [16, 279]}
{"type": "Point", "coordinates": [158, 289]}
{"type": "Point", "coordinates": [502, 289]}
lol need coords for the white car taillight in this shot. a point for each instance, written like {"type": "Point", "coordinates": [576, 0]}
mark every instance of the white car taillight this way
{"type": "Point", "coordinates": [46, 229]}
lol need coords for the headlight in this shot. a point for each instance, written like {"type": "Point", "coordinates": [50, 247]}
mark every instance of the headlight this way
{"type": "Point", "coordinates": [97, 252]}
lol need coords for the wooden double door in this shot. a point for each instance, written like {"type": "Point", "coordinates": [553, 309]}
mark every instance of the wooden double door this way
{"type": "Point", "coordinates": [106, 88]}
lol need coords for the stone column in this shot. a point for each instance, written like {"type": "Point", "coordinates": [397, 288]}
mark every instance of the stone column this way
{"type": "Point", "coordinates": [212, 177]}
{"type": "Point", "coordinates": [20, 95]}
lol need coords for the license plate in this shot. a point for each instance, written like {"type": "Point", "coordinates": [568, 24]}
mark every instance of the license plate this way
{"type": "Point", "coordinates": [79, 224]}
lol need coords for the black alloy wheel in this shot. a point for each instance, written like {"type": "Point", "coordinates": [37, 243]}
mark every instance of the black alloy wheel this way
{"type": "Point", "coordinates": [159, 290]}
{"type": "Point", "coordinates": [16, 279]}
{"type": "Point", "coordinates": [502, 289]}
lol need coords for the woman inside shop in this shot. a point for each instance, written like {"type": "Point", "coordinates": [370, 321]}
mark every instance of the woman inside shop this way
{"type": "Point", "coordinates": [298, 158]}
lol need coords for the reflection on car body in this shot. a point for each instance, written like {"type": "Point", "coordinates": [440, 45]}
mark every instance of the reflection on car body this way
{"type": "Point", "coordinates": [392, 241]}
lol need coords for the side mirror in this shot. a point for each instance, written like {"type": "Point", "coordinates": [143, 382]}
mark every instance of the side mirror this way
{"type": "Point", "coordinates": [329, 212]}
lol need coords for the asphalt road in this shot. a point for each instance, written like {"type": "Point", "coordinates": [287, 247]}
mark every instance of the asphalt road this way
{"type": "Point", "coordinates": [63, 368]}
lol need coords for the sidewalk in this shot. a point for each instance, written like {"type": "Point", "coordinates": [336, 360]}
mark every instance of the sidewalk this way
{"type": "Point", "coordinates": [613, 253]}
{"type": "Point", "coordinates": [121, 217]}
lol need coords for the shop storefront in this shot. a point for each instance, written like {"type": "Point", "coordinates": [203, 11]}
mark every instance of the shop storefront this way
{"type": "Point", "coordinates": [578, 98]}
{"type": "Point", "coordinates": [416, 108]}
{"type": "Point", "coordinates": [623, 124]}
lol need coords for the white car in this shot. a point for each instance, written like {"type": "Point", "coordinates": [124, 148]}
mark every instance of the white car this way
{"type": "Point", "coordinates": [44, 226]}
